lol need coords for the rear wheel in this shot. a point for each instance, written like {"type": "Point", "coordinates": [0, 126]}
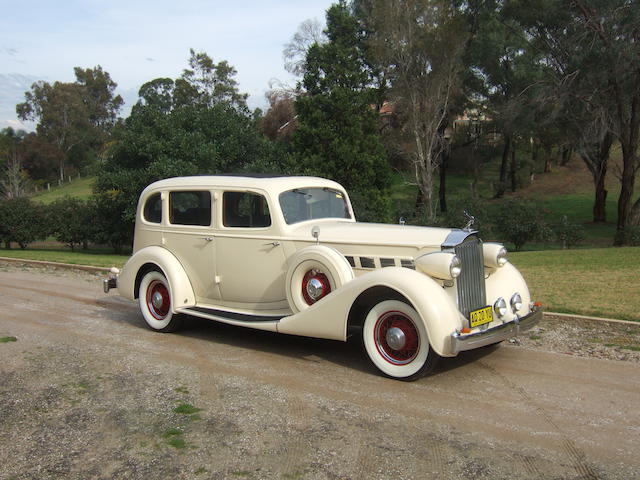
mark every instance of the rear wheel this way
{"type": "Point", "coordinates": [154, 298]}
{"type": "Point", "coordinates": [396, 341]}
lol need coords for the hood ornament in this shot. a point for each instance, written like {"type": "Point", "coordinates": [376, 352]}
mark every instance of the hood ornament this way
{"type": "Point", "coordinates": [471, 220]}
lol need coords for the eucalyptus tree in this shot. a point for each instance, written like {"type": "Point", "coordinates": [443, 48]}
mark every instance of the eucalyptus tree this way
{"type": "Point", "coordinates": [72, 116]}
{"type": "Point", "coordinates": [418, 45]}
{"type": "Point", "coordinates": [593, 47]}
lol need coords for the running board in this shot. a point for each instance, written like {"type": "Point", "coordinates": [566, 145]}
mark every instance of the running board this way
{"type": "Point", "coordinates": [234, 317]}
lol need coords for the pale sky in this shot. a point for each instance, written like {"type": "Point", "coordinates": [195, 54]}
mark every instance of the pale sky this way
{"type": "Point", "coordinates": [139, 40]}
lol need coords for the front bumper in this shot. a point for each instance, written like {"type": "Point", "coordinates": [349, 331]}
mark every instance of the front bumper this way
{"type": "Point", "coordinates": [111, 281]}
{"type": "Point", "coordinates": [461, 342]}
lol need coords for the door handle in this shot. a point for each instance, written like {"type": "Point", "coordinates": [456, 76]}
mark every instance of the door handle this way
{"type": "Point", "coordinates": [208, 239]}
{"type": "Point", "coordinates": [273, 244]}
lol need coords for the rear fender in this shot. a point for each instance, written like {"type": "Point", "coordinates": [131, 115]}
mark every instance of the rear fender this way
{"type": "Point", "coordinates": [328, 318]}
{"type": "Point", "coordinates": [182, 294]}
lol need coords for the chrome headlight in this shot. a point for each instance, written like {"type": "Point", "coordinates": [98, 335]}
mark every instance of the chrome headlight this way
{"type": "Point", "coordinates": [495, 255]}
{"type": "Point", "coordinates": [500, 307]}
{"type": "Point", "coordinates": [516, 302]}
{"type": "Point", "coordinates": [501, 258]}
{"type": "Point", "coordinates": [443, 265]}
{"type": "Point", "coordinates": [455, 267]}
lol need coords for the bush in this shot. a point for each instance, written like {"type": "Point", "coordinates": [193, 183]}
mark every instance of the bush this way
{"type": "Point", "coordinates": [519, 222]}
{"type": "Point", "coordinates": [22, 222]}
{"type": "Point", "coordinates": [629, 236]}
{"type": "Point", "coordinates": [569, 234]}
{"type": "Point", "coordinates": [110, 225]}
{"type": "Point", "coordinates": [71, 221]}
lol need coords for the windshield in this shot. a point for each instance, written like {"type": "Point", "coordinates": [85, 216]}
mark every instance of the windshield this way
{"type": "Point", "coordinates": [302, 204]}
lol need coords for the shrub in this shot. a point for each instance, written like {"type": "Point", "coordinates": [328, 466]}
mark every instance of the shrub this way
{"type": "Point", "coordinates": [569, 234]}
{"type": "Point", "coordinates": [519, 222]}
{"type": "Point", "coordinates": [629, 236]}
{"type": "Point", "coordinates": [22, 222]}
{"type": "Point", "coordinates": [110, 225]}
{"type": "Point", "coordinates": [71, 221]}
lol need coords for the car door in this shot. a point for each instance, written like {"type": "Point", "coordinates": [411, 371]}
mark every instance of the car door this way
{"type": "Point", "coordinates": [189, 236]}
{"type": "Point", "coordinates": [250, 258]}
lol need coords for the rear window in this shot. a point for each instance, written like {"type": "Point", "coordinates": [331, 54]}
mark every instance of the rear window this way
{"type": "Point", "coordinates": [153, 209]}
{"type": "Point", "coordinates": [245, 209]}
{"type": "Point", "coordinates": [190, 208]}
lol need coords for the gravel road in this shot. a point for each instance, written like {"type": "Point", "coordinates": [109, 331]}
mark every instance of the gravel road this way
{"type": "Point", "coordinates": [88, 392]}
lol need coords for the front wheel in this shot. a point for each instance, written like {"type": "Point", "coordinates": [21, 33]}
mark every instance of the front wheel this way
{"type": "Point", "coordinates": [396, 341]}
{"type": "Point", "coordinates": [154, 298]}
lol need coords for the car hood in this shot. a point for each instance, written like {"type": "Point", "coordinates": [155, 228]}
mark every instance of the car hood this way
{"type": "Point", "coordinates": [341, 232]}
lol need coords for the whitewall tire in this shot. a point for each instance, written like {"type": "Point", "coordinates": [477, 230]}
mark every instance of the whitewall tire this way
{"type": "Point", "coordinates": [396, 341]}
{"type": "Point", "coordinates": [154, 298]}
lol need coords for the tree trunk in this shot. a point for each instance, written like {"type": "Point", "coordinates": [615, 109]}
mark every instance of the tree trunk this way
{"type": "Point", "coordinates": [443, 173]}
{"type": "Point", "coordinates": [600, 201]}
{"type": "Point", "coordinates": [626, 194]}
{"type": "Point", "coordinates": [513, 169]}
{"type": "Point", "coordinates": [547, 160]}
{"type": "Point", "coordinates": [503, 167]}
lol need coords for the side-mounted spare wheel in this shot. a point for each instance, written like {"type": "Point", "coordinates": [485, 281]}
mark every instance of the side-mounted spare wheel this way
{"type": "Point", "coordinates": [154, 298]}
{"type": "Point", "coordinates": [314, 272]}
{"type": "Point", "coordinates": [396, 341]}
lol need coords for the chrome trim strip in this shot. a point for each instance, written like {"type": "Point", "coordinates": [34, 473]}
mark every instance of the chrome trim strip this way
{"type": "Point", "coordinates": [461, 342]}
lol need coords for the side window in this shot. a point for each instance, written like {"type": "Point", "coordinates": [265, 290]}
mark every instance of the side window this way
{"type": "Point", "coordinates": [153, 209]}
{"type": "Point", "coordinates": [244, 209]}
{"type": "Point", "coordinates": [190, 208]}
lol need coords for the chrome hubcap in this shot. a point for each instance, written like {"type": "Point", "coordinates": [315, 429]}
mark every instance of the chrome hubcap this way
{"type": "Point", "coordinates": [395, 338]}
{"type": "Point", "coordinates": [157, 300]}
{"type": "Point", "coordinates": [314, 288]}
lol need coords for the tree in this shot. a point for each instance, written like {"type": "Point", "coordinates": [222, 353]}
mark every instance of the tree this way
{"type": "Point", "coordinates": [208, 84]}
{"type": "Point", "coordinates": [593, 47]}
{"type": "Point", "coordinates": [295, 52]}
{"type": "Point", "coordinates": [508, 72]}
{"type": "Point", "coordinates": [196, 124]}
{"type": "Point", "coordinates": [280, 120]}
{"type": "Point", "coordinates": [71, 116]}
{"type": "Point", "coordinates": [419, 45]}
{"type": "Point", "coordinates": [14, 180]}
{"type": "Point", "coordinates": [337, 125]}
{"type": "Point", "coordinates": [21, 221]}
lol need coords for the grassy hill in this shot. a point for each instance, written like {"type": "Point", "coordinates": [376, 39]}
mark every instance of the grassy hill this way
{"type": "Point", "coordinates": [565, 191]}
{"type": "Point", "coordinates": [80, 187]}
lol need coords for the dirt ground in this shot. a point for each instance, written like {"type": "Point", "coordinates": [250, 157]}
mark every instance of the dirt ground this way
{"type": "Point", "coordinates": [88, 392]}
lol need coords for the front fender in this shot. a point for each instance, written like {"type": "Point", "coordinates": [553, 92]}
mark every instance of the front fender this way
{"type": "Point", "coordinates": [328, 318]}
{"type": "Point", "coordinates": [182, 294]}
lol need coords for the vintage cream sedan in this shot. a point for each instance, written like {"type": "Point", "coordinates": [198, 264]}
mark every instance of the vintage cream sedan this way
{"type": "Point", "coordinates": [286, 254]}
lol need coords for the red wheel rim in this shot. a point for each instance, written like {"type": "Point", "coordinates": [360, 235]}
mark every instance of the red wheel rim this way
{"type": "Point", "coordinates": [322, 286]}
{"type": "Point", "coordinates": [398, 328]}
{"type": "Point", "coordinates": [158, 299]}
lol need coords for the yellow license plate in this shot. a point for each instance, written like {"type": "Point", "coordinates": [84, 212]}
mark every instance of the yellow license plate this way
{"type": "Point", "coordinates": [480, 317]}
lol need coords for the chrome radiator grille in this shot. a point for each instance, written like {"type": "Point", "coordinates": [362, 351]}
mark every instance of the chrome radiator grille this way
{"type": "Point", "coordinates": [471, 290]}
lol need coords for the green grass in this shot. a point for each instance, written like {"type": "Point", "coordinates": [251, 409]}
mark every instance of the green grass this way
{"type": "Point", "coordinates": [80, 187]}
{"type": "Point", "coordinates": [186, 409]}
{"type": "Point", "coordinates": [95, 258]}
{"type": "Point", "coordinates": [600, 282]}
{"type": "Point", "coordinates": [8, 339]}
